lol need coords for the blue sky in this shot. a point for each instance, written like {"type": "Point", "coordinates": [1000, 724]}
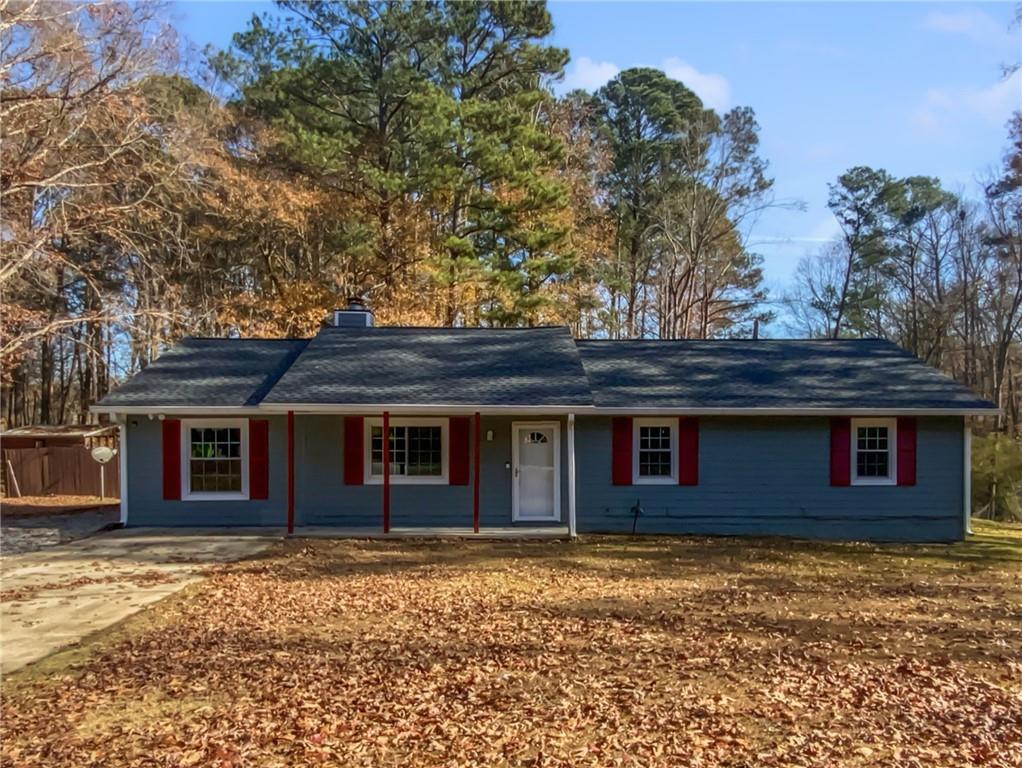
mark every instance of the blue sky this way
{"type": "Point", "coordinates": [915, 88]}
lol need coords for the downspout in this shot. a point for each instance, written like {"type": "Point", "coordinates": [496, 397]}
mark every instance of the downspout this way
{"type": "Point", "coordinates": [477, 459]}
{"type": "Point", "coordinates": [122, 458]}
{"type": "Point", "coordinates": [290, 472]}
{"type": "Point", "coordinates": [967, 475]}
{"type": "Point", "coordinates": [571, 476]}
{"type": "Point", "coordinates": [386, 471]}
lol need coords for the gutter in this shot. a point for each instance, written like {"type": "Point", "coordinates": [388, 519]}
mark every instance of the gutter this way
{"type": "Point", "coordinates": [525, 410]}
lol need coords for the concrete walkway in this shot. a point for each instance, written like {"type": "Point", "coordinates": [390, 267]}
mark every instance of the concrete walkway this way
{"type": "Point", "coordinates": [53, 598]}
{"type": "Point", "coordinates": [28, 533]}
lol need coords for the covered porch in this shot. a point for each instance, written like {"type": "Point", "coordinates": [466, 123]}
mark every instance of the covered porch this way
{"type": "Point", "coordinates": [433, 532]}
{"type": "Point", "coordinates": [479, 474]}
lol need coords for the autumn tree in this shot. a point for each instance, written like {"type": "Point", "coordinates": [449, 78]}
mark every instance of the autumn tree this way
{"type": "Point", "coordinates": [429, 113]}
{"type": "Point", "coordinates": [76, 164]}
{"type": "Point", "coordinates": [645, 117]}
{"type": "Point", "coordinates": [684, 185]}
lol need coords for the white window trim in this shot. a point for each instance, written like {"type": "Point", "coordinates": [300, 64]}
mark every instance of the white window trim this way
{"type": "Point", "coordinates": [187, 425]}
{"type": "Point", "coordinates": [672, 424]}
{"type": "Point", "coordinates": [367, 450]}
{"type": "Point", "coordinates": [892, 451]}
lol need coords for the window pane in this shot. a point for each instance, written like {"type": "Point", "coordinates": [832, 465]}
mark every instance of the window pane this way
{"type": "Point", "coordinates": [398, 450]}
{"type": "Point", "coordinates": [424, 451]}
{"type": "Point", "coordinates": [215, 460]}
{"type": "Point", "coordinates": [197, 480]}
{"type": "Point", "coordinates": [872, 464]}
{"type": "Point", "coordinates": [872, 455]}
{"type": "Point", "coordinates": [655, 464]}
{"type": "Point", "coordinates": [655, 454]}
{"type": "Point", "coordinates": [376, 451]}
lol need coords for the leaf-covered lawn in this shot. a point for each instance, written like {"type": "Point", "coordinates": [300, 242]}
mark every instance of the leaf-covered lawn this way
{"type": "Point", "coordinates": [645, 652]}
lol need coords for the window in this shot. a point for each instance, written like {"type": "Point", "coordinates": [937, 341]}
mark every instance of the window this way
{"type": "Point", "coordinates": [655, 451]}
{"type": "Point", "coordinates": [873, 451]}
{"type": "Point", "coordinates": [214, 459]}
{"type": "Point", "coordinates": [418, 451]}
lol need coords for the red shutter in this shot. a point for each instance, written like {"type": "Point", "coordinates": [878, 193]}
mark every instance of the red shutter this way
{"type": "Point", "coordinates": [354, 463]}
{"type": "Point", "coordinates": [688, 451]}
{"type": "Point", "coordinates": [840, 451]}
{"type": "Point", "coordinates": [458, 437]}
{"type": "Point", "coordinates": [621, 450]}
{"type": "Point", "coordinates": [906, 450]}
{"type": "Point", "coordinates": [258, 459]}
{"type": "Point", "coordinates": [171, 459]}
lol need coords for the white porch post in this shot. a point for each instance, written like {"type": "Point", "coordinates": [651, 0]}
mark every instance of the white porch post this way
{"type": "Point", "coordinates": [571, 475]}
{"type": "Point", "coordinates": [122, 458]}
{"type": "Point", "coordinates": [967, 474]}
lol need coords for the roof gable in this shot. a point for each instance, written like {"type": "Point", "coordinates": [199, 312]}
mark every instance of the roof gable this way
{"type": "Point", "coordinates": [209, 372]}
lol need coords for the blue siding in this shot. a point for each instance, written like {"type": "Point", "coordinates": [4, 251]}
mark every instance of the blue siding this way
{"type": "Point", "coordinates": [322, 498]}
{"type": "Point", "coordinates": [766, 475]}
{"type": "Point", "coordinates": [758, 475]}
{"type": "Point", "coordinates": [145, 484]}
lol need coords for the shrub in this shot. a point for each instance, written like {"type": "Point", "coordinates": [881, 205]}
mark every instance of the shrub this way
{"type": "Point", "coordinates": [996, 477]}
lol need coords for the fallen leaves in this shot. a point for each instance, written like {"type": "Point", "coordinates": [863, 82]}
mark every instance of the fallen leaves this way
{"type": "Point", "coordinates": [662, 653]}
{"type": "Point", "coordinates": [138, 579]}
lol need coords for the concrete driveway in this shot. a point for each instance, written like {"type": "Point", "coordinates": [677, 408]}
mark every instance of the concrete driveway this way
{"type": "Point", "coordinates": [27, 533]}
{"type": "Point", "coordinates": [52, 598]}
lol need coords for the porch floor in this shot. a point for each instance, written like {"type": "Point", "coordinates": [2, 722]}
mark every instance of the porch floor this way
{"type": "Point", "coordinates": [517, 532]}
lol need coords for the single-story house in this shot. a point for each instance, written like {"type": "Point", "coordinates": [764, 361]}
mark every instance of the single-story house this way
{"type": "Point", "coordinates": [531, 431]}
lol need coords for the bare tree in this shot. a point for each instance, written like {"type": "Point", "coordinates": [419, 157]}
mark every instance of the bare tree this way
{"type": "Point", "coordinates": [75, 162]}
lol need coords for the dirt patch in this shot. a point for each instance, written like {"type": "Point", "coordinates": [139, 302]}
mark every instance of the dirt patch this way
{"type": "Point", "coordinates": [31, 506]}
{"type": "Point", "coordinates": [653, 652]}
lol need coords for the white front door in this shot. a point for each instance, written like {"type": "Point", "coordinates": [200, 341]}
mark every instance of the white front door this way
{"type": "Point", "coordinates": [536, 470]}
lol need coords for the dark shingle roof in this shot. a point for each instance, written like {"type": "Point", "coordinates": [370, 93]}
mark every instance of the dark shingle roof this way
{"type": "Point", "coordinates": [862, 374]}
{"type": "Point", "coordinates": [437, 366]}
{"type": "Point", "coordinates": [209, 372]}
{"type": "Point", "coordinates": [540, 367]}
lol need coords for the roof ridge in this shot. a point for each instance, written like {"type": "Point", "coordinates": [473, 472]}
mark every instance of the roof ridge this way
{"type": "Point", "coordinates": [249, 338]}
{"type": "Point", "coordinates": [349, 328]}
{"type": "Point", "coordinates": [735, 340]}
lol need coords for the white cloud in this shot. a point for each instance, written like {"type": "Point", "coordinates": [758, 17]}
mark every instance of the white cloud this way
{"type": "Point", "coordinates": [824, 231]}
{"type": "Point", "coordinates": [588, 74]}
{"type": "Point", "coordinates": [975, 25]}
{"type": "Point", "coordinates": [944, 108]}
{"type": "Point", "coordinates": [713, 89]}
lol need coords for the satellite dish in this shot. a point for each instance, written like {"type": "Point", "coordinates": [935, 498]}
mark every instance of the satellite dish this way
{"type": "Point", "coordinates": [102, 454]}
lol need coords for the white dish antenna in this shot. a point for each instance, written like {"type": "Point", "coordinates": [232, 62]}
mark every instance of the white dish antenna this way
{"type": "Point", "coordinates": [102, 454]}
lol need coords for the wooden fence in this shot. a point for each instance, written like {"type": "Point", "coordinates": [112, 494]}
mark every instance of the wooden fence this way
{"type": "Point", "coordinates": [62, 471]}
